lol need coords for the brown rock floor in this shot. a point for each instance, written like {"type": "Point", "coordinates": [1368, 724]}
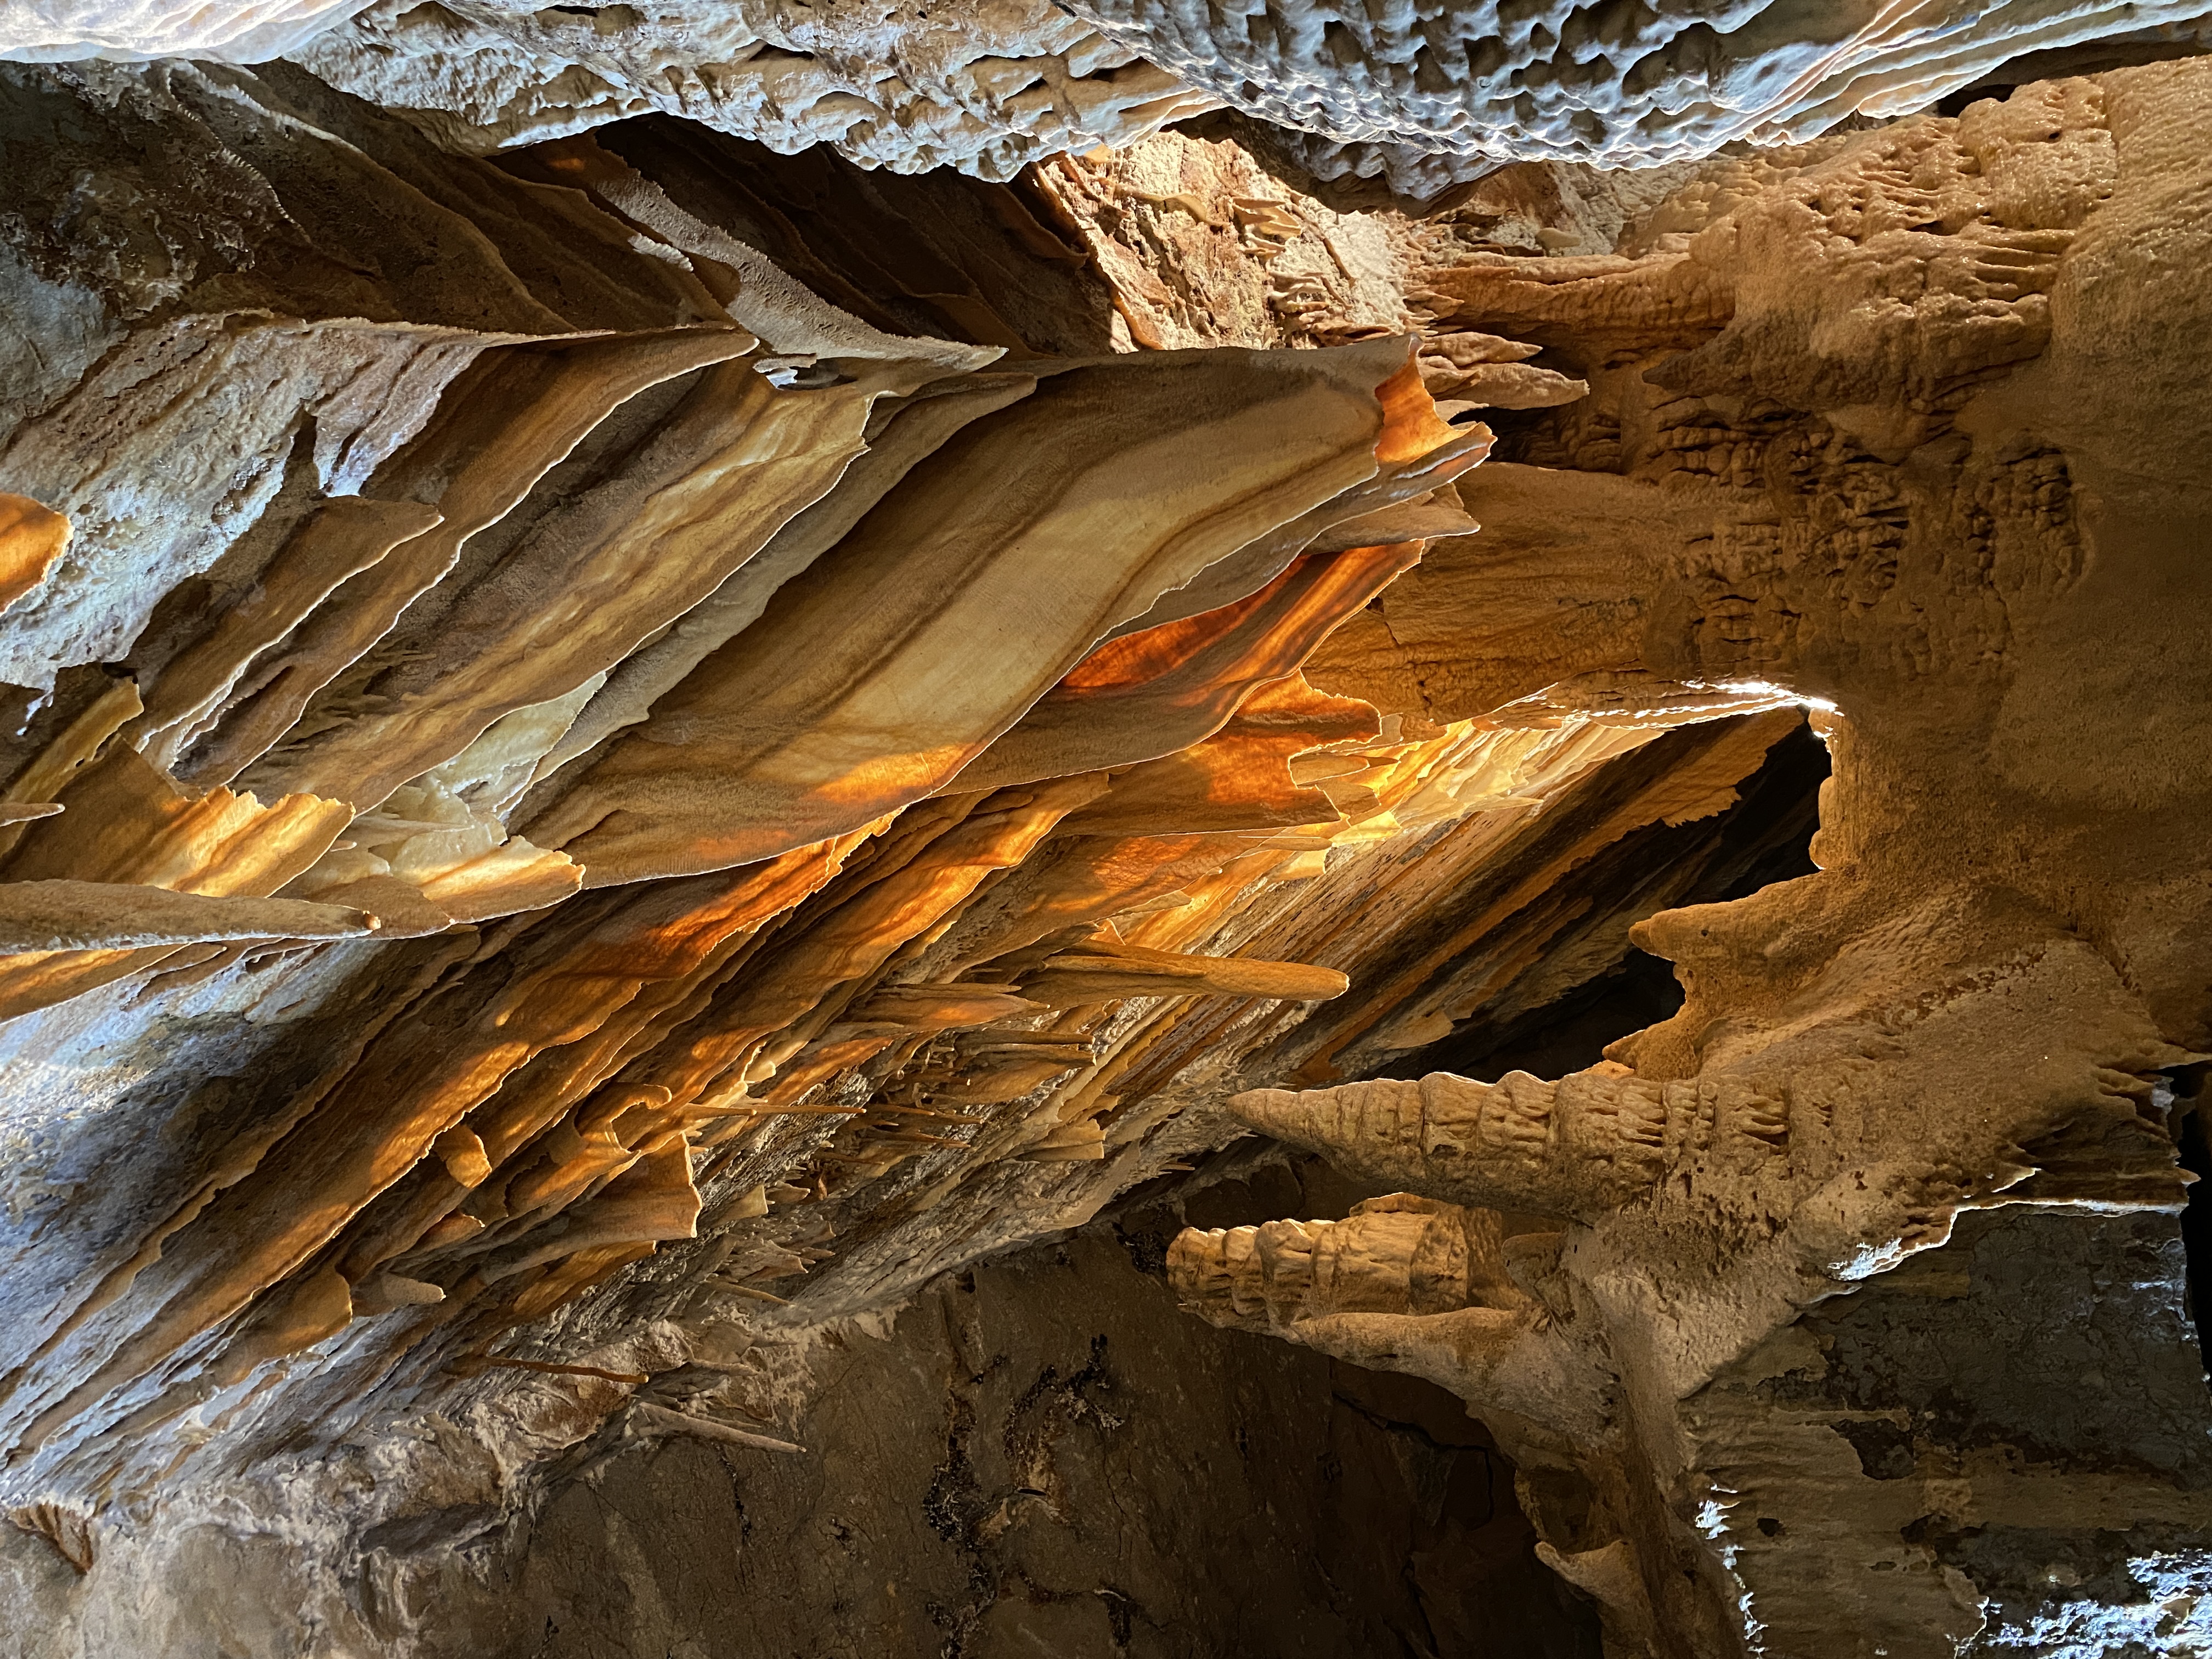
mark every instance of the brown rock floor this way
{"type": "Point", "coordinates": [1049, 1458]}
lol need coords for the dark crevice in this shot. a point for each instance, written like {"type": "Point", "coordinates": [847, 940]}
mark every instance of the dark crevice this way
{"type": "Point", "coordinates": [2196, 1150]}
{"type": "Point", "coordinates": [1763, 839]}
{"type": "Point", "coordinates": [1955, 103]}
{"type": "Point", "coordinates": [2059, 62]}
{"type": "Point", "coordinates": [1567, 1036]}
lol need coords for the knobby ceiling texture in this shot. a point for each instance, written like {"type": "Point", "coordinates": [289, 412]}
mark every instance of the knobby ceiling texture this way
{"type": "Point", "coordinates": [669, 672]}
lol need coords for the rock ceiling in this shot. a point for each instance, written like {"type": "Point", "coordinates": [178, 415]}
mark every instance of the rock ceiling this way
{"type": "Point", "coordinates": [627, 740]}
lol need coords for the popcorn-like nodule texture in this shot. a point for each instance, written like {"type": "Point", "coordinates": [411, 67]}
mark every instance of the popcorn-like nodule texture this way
{"type": "Point", "coordinates": [1627, 82]}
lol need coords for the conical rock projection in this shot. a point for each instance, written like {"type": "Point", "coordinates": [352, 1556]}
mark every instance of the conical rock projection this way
{"type": "Point", "coordinates": [1684, 1209]}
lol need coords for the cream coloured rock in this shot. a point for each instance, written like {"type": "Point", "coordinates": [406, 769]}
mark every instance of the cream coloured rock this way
{"type": "Point", "coordinates": [242, 31]}
{"type": "Point", "coordinates": [1402, 1284]}
{"type": "Point", "coordinates": [983, 85]}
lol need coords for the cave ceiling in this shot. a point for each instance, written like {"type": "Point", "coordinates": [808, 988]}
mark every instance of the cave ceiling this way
{"type": "Point", "coordinates": [670, 673]}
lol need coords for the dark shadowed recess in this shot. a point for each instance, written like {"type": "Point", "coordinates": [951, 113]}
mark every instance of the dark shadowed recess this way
{"type": "Point", "coordinates": [2195, 1139]}
{"type": "Point", "coordinates": [1759, 840]}
{"type": "Point", "coordinates": [1047, 1457]}
{"type": "Point", "coordinates": [1926, 1372]}
{"type": "Point", "coordinates": [1443, 1549]}
{"type": "Point", "coordinates": [935, 253]}
{"type": "Point", "coordinates": [2055, 62]}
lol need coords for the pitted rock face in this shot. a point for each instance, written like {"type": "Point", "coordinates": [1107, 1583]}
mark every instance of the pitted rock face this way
{"type": "Point", "coordinates": [1620, 81]}
{"type": "Point", "coordinates": [985, 86]}
{"type": "Point", "coordinates": [1424, 93]}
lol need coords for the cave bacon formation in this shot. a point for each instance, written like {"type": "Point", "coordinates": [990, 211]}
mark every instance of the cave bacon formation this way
{"type": "Point", "coordinates": [672, 671]}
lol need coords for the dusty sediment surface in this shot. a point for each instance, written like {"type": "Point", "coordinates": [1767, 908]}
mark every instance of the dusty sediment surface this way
{"type": "Point", "coordinates": [1043, 1454]}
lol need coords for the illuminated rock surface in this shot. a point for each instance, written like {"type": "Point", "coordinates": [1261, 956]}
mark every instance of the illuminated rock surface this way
{"type": "Point", "coordinates": [671, 807]}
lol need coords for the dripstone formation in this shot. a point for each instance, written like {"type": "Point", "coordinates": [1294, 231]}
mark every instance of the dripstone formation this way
{"type": "Point", "coordinates": [968, 829]}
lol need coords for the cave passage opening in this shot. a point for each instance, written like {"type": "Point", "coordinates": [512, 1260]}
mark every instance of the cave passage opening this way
{"type": "Point", "coordinates": [1765, 837]}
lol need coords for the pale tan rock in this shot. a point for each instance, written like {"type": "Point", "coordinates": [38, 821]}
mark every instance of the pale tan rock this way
{"type": "Point", "coordinates": [814, 732]}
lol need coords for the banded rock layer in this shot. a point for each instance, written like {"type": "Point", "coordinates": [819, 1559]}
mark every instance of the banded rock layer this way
{"type": "Point", "coordinates": [623, 753]}
{"type": "Point", "coordinates": [548, 741]}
